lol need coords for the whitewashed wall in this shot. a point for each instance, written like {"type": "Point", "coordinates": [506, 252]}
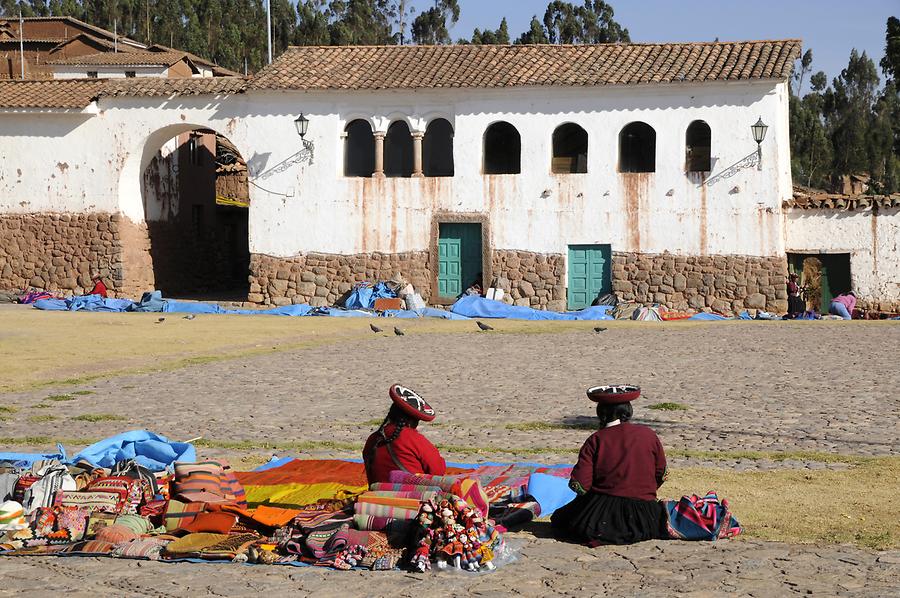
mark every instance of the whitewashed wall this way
{"type": "Point", "coordinates": [86, 162]}
{"type": "Point", "coordinates": [870, 239]}
{"type": "Point", "coordinates": [108, 72]}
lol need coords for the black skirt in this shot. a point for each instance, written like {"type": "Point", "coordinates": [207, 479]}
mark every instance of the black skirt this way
{"type": "Point", "coordinates": [604, 519]}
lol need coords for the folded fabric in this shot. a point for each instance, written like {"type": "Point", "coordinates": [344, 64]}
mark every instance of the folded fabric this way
{"type": "Point", "coordinates": [229, 547]}
{"type": "Point", "coordinates": [192, 544]}
{"type": "Point", "coordinates": [12, 516]}
{"type": "Point", "coordinates": [388, 487]}
{"type": "Point", "coordinates": [550, 492]}
{"type": "Point", "coordinates": [136, 523]}
{"type": "Point", "coordinates": [178, 514]}
{"type": "Point", "coordinates": [418, 495]}
{"type": "Point", "coordinates": [116, 534]}
{"type": "Point", "coordinates": [105, 502]}
{"type": "Point", "coordinates": [298, 495]}
{"type": "Point", "coordinates": [389, 501]}
{"type": "Point", "coordinates": [215, 523]}
{"type": "Point", "coordinates": [385, 511]}
{"type": "Point", "coordinates": [381, 524]}
{"type": "Point", "coordinates": [143, 548]}
{"type": "Point", "coordinates": [701, 518]}
{"type": "Point", "coordinates": [90, 547]}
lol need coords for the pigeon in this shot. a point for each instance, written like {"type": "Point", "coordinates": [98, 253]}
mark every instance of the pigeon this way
{"type": "Point", "coordinates": [160, 321]}
{"type": "Point", "coordinates": [484, 326]}
{"type": "Point", "coordinates": [189, 317]}
{"type": "Point", "coordinates": [599, 329]}
{"type": "Point", "coordinates": [375, 328]}
{"type": "Point", "coordinates": [398, 332]}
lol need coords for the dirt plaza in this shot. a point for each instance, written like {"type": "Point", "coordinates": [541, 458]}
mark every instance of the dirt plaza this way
{"type": "Point", "coordinates": [797, 424]}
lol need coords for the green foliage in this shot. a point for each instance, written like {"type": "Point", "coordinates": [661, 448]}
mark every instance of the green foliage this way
{"type": "Point", "coordinates": [851, 127]}
{"type": "Point", "coordinates": [535, 34]}
{"type": "Point", "coordinates": [668, 406]}
{"type": "Point", "coordinates": [98, 417]}
{"type": "Point", "coordinates": [60, 398]}
{"type": "Point", "coordinates": [430, 27]}
{"type": "Point", "coordinates": [488, 37]}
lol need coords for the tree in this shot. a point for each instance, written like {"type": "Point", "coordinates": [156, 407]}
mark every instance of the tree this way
{"type": "Point", "coordinates": [598, 26]}
{"type": "Point", "coordinates": [430, 27]}
{"type": "Point", "coordinates": [849, 112]}
{"type": "Point", "coordinates": [312, 24]}
{"type": "Point", "coordinates": [401, 12]}
{"type": "Point", "coordinates": [536, 34]}
{"type": "Point", "coordinates": [360, 22]}
{"type": "Point", "coordinates": [805, 67]}
{"type": "Point", "coordinates": [488, 37]}
{"type": "Point", "coordinates": [811, 151]}
{"type": "Point", "coordinates": [890, 64]}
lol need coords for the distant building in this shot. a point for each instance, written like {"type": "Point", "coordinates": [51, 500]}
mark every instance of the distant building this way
{"type": "Point", "coordinates": [557, 173]}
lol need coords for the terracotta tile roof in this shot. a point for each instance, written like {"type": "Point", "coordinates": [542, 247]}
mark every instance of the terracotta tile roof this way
{"type": "Point", "coordinates": [123, 59]}
{"type": "Point", "coordinates": [74, 93]}
{"type": "Point", "coordinates": [156, 87]}
{"type": "Point", "coordinates": [434, 67]}
{"type": "Point", "coordinates": [805, 198]}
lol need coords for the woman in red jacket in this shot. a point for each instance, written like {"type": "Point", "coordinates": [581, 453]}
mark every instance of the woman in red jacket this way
{"type": "Point", "coordinates": [397, 445]}
{"type": "Point", "coordinates": [619, 469]}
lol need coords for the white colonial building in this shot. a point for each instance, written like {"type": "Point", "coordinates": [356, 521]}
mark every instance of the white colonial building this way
{"type": "Point", "coordinates": [554, 172]}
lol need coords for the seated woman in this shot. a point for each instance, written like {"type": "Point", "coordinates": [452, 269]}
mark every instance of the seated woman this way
{"type": "Point", "coordinates": [396, 445]}
{"type": "Point", "coordinates": [618, 472]}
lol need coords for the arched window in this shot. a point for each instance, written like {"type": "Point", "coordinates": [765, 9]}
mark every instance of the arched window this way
{"type": "Point", "coordinates": [570, 147]}
{"type": "Point", "coordinates": [359, 149]}
{"type": "Point", "coordinates": [502, 149]}
{"type": "Point", "coordinates": [698, 142]}
{"type": "Point", "coordinates": [437, 149]}
{"type": "Point", "coordinates": [398, 150]}
{"type": "Point", "coordinates": [637, 148]}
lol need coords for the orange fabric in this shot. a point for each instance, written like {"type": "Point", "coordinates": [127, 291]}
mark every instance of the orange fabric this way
{"type": "Point", "coordinates": [214, 523]}
{"type": "Point", "coordinates": [274, 516]}
{"type": "Point", "coordinates": [308, 472]}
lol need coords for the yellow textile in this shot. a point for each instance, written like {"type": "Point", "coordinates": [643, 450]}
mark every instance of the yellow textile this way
{"type": "Point", "coordinates": [298, 495]}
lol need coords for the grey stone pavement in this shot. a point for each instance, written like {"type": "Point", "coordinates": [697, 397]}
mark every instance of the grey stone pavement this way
{"type": "Point", "coordinates": [766, 386]}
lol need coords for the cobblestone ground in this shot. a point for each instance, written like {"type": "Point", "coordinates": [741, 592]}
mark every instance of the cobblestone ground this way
{"type": "Point", "coordinates": [818, 387]}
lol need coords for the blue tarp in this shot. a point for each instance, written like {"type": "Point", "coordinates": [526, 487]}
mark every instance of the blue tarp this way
{"type": "Point", "coordinates": [84, 303]}
{"type": "Point", "coordinates": [707, 317]}
{"type": "Point", "coordinates": [153, 451]}
{"type": "Point", "coordinates": [185, 307]}
{"type": "Point", "coordinates": [26, 459]}
{"type": "Point", "coordinates": [473, 306]}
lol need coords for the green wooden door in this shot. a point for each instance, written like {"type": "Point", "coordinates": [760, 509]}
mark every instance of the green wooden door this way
{"type": "Point", "coordinates": [459, 258]}
{"type": "Point", "coordinates": [589, 274]}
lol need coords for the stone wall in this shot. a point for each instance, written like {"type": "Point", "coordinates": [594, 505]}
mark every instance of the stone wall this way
{"type": "Point", "coordinates": [530, 279]}
{"type": "Point", "coordinates": [722, 283]}
{"type": "Point", "coordinates": [321, 279]}
{"type": "Point", "coordinates": [60, 252]}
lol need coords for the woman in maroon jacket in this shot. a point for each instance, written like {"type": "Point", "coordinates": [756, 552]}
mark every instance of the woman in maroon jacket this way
{"type": "Point", "coordinates": [619, 469]}
{"type": "Point", "coordinates": [397, 445]}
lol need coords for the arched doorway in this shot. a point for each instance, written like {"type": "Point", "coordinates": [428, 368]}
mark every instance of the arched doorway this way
{"type": "Point", "coordinates": [196, 201]}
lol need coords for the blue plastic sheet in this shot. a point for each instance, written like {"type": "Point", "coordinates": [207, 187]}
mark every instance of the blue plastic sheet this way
{"type": "Point", "coordinates": [27, 459]}
{"type": "Point", "coordinates": [707, 317]}
{"type": "Point", "coordinates": [473, 306]}
{"type": "Point", "coordinates": [211, 308]}
{"type": "Point", "coordinates": [153, 451]}
{"type": "Point", "coordinates": [84, 303]}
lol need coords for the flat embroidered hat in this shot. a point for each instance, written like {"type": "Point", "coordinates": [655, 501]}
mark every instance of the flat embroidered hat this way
{"type": "Point", "coordinates": [411, 403]}
{"type": "Point", "coordinates": [614, 394]}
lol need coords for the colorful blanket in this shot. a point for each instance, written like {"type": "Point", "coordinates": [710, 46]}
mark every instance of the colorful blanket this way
{"type": "Point", "coordinates": [701, 518]}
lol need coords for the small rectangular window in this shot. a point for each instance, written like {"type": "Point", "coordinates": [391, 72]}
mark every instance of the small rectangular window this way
{"type": "Point", "coordinates": [92, 74]}
{"type": "Point", "coordinates": [130, 74]}
{"type": "Point", "coordinates": [195, 150]}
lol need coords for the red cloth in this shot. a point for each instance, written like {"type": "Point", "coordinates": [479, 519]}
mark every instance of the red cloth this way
{"type": "Point", "coordinates": [413, 451]}
{"type": "Point", "coordinates": [99, 289]}
{"type": "Point", "coordinates": [626, 460]}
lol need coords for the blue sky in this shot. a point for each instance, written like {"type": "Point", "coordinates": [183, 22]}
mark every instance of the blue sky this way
{"type": "Point", "coordinates": [830, 27]}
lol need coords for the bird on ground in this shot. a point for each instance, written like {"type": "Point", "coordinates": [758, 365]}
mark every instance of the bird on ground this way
{"type": "Point", "coordinates": [398, 332]}
{"type": "Point", "coordinates": [160, 321]}
{"type": "Point", "coordinates": [599, 329]}
{"type": "Point", "coordinates": [375, 328]}
{"type": "Point", "coordinates": [189, 317]}
{"type": "Point", "coordinates": [484, 326]}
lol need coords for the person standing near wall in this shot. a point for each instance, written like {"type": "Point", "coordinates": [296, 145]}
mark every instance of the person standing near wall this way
{"type": "Point", "coordinates": [796, 304]}
{"type": "Point", "coordinates": [843, 305]}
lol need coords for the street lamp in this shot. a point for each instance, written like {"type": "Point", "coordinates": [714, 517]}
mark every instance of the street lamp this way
{"type": "Point", "coordinates": [759, 134]}
{"type": "Point", "coordinates": [302, 124]}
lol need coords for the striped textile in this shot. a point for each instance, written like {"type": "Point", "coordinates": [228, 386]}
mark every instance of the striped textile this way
{"type": "Point", "coordinates": [178, 514]}
{"type": "Point", "coordinates": [701, 518]}
{"type": "Point", "coordinates": [388, 487]}
{"type": "Point", "coordinates": [386, 511]}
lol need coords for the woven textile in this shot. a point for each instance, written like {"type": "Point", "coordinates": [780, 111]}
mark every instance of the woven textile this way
{"type": "Point", "coordinates": [701, 518]}
{"type": "Point", "coordinates": [179, 514]}
{"type": "Point", "coordinates": [144, 548]}
{"type": "Point", "coordinates": [192, 544]}
{"type": "Point", "coordinates": [105, 502]}
{"type": "Point", "coordinates": [386, 511]}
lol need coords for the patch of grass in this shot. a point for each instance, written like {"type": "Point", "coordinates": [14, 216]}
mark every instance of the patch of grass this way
{"type": "Point", "coordinates": [8, 409]}
{"type": "Point", "coordinates": [82, 393]}
{"type": "Point", "coordinates": [41, 406]}
{"type": "Point", "coordinates": [38, 419]}
{"type": "Point", "coordinates": [668, 406]}
{"type": "Point", "coordinates": [98, 417]}
{"type": "Point", "coordinates": [777, 456]}
{"type": "Point", "coordinates": [855, 506]}
{"type": "Point", "coordinates": [372, 422]}
{"type": "Point", "coordinates": [59, 398]}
